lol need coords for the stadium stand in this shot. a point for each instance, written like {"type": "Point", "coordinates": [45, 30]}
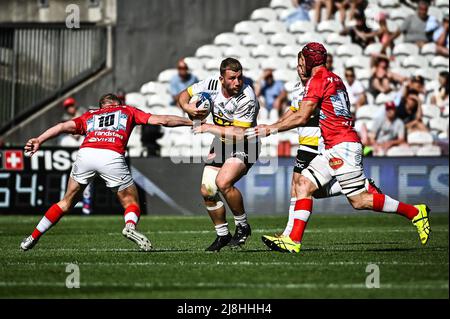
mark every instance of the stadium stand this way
{"type": "Point", "coordinates": [265, 41]}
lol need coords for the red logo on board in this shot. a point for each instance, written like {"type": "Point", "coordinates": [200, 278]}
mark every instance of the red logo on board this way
{"type": "Point", "coordinates": [335, 163]}
{"type": "Point", "coordinates": [13, 160]}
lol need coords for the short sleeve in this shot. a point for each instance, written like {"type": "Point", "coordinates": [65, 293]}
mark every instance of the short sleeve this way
{"type": "Point", "coordinates": [80, 124]}
{"type": "Point", "coordinates": [313, 90]}
{"type": "Point", "coordinates": [140, 117]}
{"type": "Point", "coordinates": [200, 86]}
{"type": "Point", "coordinates": [246, 114]}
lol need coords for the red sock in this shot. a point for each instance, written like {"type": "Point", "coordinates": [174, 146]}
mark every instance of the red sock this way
{"type": "Point", "coordinates": [51, 217]}
{"type": "Point", "coordinates": [302, 211]}
{"type": "Point", "coordinates": [132, 214]}
{"type": "Point", "coordinates": [383, 203]}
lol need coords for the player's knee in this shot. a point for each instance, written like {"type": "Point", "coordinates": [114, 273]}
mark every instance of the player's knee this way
{"type": "Point", "coordinates": [223, 186]}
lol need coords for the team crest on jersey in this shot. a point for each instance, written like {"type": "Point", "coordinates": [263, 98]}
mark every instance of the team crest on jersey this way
{"type": "Point", "coordinates": [335, 163]}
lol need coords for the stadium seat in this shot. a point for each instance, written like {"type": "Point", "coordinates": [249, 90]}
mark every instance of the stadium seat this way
{"type": "Point", "coordinates": [289, 51]}
{"type": "Point", "coordinates": [436, 12]}
{"type": "Point", "coordinates": [153, 87]}
{"type": "Point", "coordinates": [400, 151]}
{"type": "Point", "coordinates": [438, 124]}
{"type": "Point", "coordinates": [135, 99]}
{"type": "Point", "coordinates": [429, 150]}
{"type": "Point", "coordinates": [208, 51]}
{"type": "Point", "coordinates": [264, 51]}
{"type": "Point", "coordinates": [357, 62]}
{"type": "Point", "coordinates": [213, 64]}
{"type": "Point", "coordinates": [238, 52]}
{"type": "Point", "coordinates": [348, 50]}
{"type": "Point", "coordinates": [405, 49]}
{"type": "Point", "coordinates": [363, 74]}
{"type": "Point", "coordinates": [253, 74]}
{"type": "Point", "coordinates": [166, 75]}
{"type": "Point", "coordinates": [274, 63]}
{"type": "Point", "coordinates": [440, 61]}
{"type": "Point", "coordinates": [264, 14]}
{"type": "Point", "coordinates": [158, 100]}
{"type": "Point", "coordinates": [249, 64]}
{"type": "Point", "coordinates": [193, 63]}
{"type": "Point", "coordinates": [284, 13]}
{"type": "Point", "coordinates": [367, 112]}
{"type": "Point", "coordinates": [442, 4]}
{"type": "Point", "coordinates": [419, 137]}
{"type": "Point", "coordinates": [428, 49]}
{"type": "Point", "coordinates": [282, 39]}
{"type": "Point", "coordinates": [273, 27]}
{"type": "Point", "coordinates": [430, 86]}
{"type": "Point", "coordinates": [246, 27]}
{"type": "Point", "coordinates": [202, 74]}
{"type": "Point", "coordinates": [431, 111]}
{"type": "Point", "coordinates": [337, 39]}
{"type": "Point", "coordinates": [227, 39]}
{"type": "Point", "coordinates": [329, 26]}
{"type": "Point", "coordinates": [402, 71]}
{"type": "Point", "coordinates": [399, 14]}
{"type": "Point", "coordinates": [382, 98]}
{"type": "Point", "coordinates": [360, 123]}
{"type": "Point", "coordinates": [253, 40]}
{"type": "Point", "coordinates": [301, 27]}
{"type": "Point", "coordinates": [306, 37]}
{"type": "Point", "coordinates": [387, 4]}
{"type": "Point", "coordinates": [415, 61]}
{"type": "Point", "coordinates": [285, 75]}
{"type": "Point", "coordinates": [373, 48]}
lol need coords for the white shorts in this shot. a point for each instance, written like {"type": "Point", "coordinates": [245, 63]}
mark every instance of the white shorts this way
{"type": "Point", "coordinates": [343, 161]}
{"type": "Point", "coordinates": [107, 164]}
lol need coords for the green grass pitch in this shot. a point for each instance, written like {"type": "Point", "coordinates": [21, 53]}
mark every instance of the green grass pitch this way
{"type": "Point", "coordinates": [332, 264]}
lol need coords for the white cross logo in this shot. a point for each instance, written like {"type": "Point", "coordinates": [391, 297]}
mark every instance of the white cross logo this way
{"type": "Point", "coordinates": [13, 159]}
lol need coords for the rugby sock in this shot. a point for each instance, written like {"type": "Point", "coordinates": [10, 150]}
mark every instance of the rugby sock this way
{"type": "Point", "coordinates": [240, 220]}
{"type": "Point", "coordinates": [302, 211]}
{"type": "Point", "coordinates": [383, 203]}
{"type": "Point", "coordinates": [290, 222]}
{"type": "Point", "coordinates": [51, 217]}
{"type": "Point", "coordinates": [132, 214]}
{"type": "Point", "coordinates": [222, 229]}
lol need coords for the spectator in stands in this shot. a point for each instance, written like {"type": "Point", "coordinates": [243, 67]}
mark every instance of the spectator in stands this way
{"type": "Point", "coordinates": [355, 89]}
{"type": "Point", "coordinates": [360, 33]}
{"type": "Point", "coordinates": [383, 34]}
{"type": "Point", "coordinates": [71, 111]}
{"type": "Point", "coordinates": [301, 12]}
{"type": "Point", "coordinates": [410, 112]}
{"type": "Point", "coordinates": [329, 63]}
{"type": "Point", "coordinates": [328, 4]}
{"type": "Point", "coordinates": [270, 90]}
{"type": "Point", "coordinates": [387, 131]}
{"type": "Point", "coordinates": [181, 81]}
{"type": "Point", "coordinates": [440, 37]}
{"type": "Point", "coordinates": [416, 84]}
{"type": "Point", "coordinates": [382, 79]}
{"type": "Point", "coordinates": [418, 28]}
{"type": "Point", "coordinates": [356, 7]}
{"type": "Point", "coordinates": [440, 96]}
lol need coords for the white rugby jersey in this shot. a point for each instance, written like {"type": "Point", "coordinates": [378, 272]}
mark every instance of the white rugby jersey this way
{"type": "Point", "coordinates": [309, 137]}
{"type": "Point", "coordinates": [239, 110]}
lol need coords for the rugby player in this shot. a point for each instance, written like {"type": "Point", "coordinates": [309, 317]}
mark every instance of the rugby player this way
{"type": "Point", "coordinates": [106, 131]}
{"type": "Point", "coordinates": [342, 157]}
{"type": "Point", "coordinates": [310, 145]}
{"type": "Point", "coordinates": [234, 109]}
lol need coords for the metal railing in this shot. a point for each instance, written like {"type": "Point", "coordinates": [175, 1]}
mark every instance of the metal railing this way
{"type": "Point", "coordinates": [38, 63]}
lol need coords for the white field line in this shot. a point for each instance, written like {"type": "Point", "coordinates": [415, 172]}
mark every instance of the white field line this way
{"type": "Point", "coordinates": [225, 285]}
{"type": "Point", "coordinates": [232, 263]}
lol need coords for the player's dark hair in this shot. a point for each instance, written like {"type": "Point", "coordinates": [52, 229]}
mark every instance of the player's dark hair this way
{"type": "Point", "coordinates": [230, 64]}
{"type": "Point", "coordinates": [109, 98]}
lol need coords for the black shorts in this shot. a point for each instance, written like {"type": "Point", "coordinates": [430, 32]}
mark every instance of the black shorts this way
{"type": "Point", "coordinates": [302, 160]}
{"type": "Point", "coordinates": [247, 152]}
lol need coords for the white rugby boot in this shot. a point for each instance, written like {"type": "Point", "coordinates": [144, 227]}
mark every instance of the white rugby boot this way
{"type": "Point", "coordinates": [132, 234]}
{"type": "Point", "coordinates": [28, 243]}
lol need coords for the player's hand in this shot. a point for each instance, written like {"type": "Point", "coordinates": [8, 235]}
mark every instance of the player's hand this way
{"type": "Point", "coordinates": [32, 146]}
{"type": "Point", "coordinates": [193, 112]}
{"type": "Point", "coordinates": [203, 128]}
{"type": "Point", "coordinates": [261, 130]}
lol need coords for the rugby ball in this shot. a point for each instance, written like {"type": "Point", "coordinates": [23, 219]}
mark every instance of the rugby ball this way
{"type": "Point", "coordinates": [202, 102]}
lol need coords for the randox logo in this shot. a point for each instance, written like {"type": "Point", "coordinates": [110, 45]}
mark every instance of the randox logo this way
{"type": "Point", "coordinates": [336, 163]}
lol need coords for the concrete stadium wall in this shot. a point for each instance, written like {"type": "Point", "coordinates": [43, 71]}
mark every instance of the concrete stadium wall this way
{"type": "Point", "coordinates": [149, 37]}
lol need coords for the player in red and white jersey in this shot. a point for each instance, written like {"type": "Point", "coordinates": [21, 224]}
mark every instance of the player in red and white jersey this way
{"type": "Point", "coordinates": [106, 131]}
{"type": "Point", "coordinates": [342, 157]}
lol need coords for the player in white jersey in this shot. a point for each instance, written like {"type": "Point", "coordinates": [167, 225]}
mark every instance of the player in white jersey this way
{"type": "Point", "coordinates": [310, 145]}
{"type": "Point", "coordinates": [234, 109]}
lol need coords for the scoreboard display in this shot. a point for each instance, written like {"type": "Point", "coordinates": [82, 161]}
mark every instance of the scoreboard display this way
{"type": "Point", "coordinates": [30, 185]}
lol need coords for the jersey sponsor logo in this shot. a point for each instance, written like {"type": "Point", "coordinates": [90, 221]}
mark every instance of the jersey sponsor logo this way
{"type": "Point", "coordinates": [341, 104]}
{"type": "Point", "coordinates": [220, 121]}
{"type": "Point", "coordinates": [102, 140]}
{"type": "Point", "coordinates": [335, 163]}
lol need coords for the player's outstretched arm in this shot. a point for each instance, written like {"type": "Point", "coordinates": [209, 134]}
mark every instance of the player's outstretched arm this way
{"type": "Point", "coordinates": [235, 133]}
{"type": "Point", "coordinates": [34, 144]}
{"type": "Point", "coordinates": [169, 120]}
